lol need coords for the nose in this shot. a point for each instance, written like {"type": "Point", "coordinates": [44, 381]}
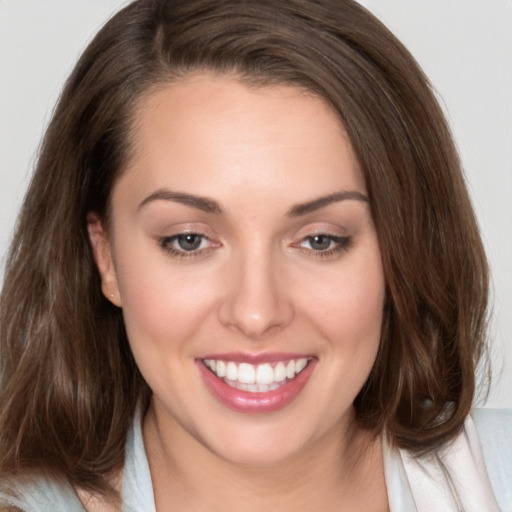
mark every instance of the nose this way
{"type": "Point", "coordinates": [256, 301]}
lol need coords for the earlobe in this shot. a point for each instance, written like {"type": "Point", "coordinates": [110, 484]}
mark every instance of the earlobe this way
{"type": "Point", "coordinates": [103, 258]}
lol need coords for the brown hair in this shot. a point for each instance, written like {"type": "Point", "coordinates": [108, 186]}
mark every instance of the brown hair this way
{"type": "Point", "coordinates": [69, 384]}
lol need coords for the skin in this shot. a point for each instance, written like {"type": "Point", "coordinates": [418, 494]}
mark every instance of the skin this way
{"type": "Point", "coordinates": [256, 285]}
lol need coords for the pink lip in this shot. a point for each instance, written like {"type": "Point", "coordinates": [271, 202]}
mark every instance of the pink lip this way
{"type": "Point", "coordinates": [246, 402]}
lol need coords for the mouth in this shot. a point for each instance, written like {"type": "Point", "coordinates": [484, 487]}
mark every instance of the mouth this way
{"type": "Point", "coordinates": [256, 378]}
{"type": "Point", "coordinates": [253, 387]}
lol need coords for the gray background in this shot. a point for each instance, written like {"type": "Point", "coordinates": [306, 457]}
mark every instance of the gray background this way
{"type": "Point", "coordinates": [465, 47]}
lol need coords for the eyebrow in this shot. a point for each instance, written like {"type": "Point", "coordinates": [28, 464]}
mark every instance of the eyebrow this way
{"type": "Point", "coordinates": [201, 203]}
{"type": "Point", "coordinates": [321, 202]}
{"type": "Point", "coordinates": [208, 205]}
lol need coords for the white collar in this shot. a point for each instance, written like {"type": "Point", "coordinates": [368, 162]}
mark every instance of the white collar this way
{"type": "Point", "coordinates": [450, 479]}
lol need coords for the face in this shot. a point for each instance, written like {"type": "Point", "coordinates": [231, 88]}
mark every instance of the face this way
{"type": "Point", "coordinates": [243, 254]}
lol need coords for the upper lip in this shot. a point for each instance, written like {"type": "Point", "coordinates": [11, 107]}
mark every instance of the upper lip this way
{"type": "Point", "coordinates": [269, 357]}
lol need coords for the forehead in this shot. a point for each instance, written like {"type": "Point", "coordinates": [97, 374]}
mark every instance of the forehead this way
{"type": "Point", "coordinates": [209, 132]}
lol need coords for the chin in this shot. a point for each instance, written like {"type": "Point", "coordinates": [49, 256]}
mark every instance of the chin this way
{"type": "Point", "coordinates": [262, 441]}
{"type": "Point", "coordinates": [259, 454]}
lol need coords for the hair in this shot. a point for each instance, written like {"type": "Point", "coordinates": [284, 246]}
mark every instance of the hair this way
{"type": "Point", "coordinates": [69, 384]}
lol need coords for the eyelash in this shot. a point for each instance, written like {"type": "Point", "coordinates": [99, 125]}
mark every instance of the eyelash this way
{"type": "Point", "coordinates": [166, 242]}
{"type": "Point", "coordinates": [342, 243]}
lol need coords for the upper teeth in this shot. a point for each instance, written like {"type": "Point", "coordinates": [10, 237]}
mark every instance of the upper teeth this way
{"type": "Point", "coordinates": [246, 373]}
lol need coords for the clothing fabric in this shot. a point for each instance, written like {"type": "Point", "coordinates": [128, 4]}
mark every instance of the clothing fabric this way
{"type": "Point", "coordinates": [471, 474]}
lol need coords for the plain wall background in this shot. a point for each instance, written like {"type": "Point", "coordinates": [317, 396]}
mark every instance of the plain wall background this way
{"type": "Point", "coordinates": [464, 47]}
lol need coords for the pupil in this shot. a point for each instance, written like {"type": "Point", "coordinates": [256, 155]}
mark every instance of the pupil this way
{"type": "Point", "coordinates": [320, 242]}
{"type": "Point", "coordinates": [189, 242]}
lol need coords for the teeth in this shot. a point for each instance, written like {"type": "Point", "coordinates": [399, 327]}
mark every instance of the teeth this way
{"type": "Point", "coordinates": [264, 374]}
{"type": "Point", "coordinates": [221, 369]}
{"type": "Point", "coordinates": [246, 373]}
{"type": "Point", "coordinates": [280, 372]}
{"type": "Point", "coordinates": [231, 371]}
{"type": "Point", "coordinates": [256, 378]}
{"type": "Point", "coordinates": [300, 365]}
{"type": "Point", "coordinates": [290, 369]}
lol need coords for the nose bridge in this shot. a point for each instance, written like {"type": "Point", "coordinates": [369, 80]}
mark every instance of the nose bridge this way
{"type": "Point", "coordinates": [256, 300]}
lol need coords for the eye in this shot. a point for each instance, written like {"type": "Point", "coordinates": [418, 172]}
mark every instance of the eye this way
{"type": "Point", "coordinates": [319, 242]}
{"type": "Point", "coordinates": [324, 245]}
{"type": "Point", "coordinates": [186, 244]}
{"type": "Point", "coordinates": [189, 241]}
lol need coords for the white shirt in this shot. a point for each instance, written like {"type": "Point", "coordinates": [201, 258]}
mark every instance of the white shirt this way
{"type": "Point", "coordinates": [473, 473]}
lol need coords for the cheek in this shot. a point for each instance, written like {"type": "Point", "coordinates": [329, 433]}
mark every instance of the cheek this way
{"type": "Point", "coordinates": [349, 306]}
{"type": "Point", "coordinates": [163, 314]}
{"type": "Point", "coordinates": [349, 314]}
{"type": "Point", "coordinates": [165, 305]}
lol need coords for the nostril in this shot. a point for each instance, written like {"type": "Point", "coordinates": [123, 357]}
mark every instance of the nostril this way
{"type": "Point", "coordinates": [255, 300]}
{"type": "Point", "coordinates": [255, 318]}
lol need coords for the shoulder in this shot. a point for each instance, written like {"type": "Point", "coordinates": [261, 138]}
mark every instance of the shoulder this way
{"type": "Point", "coordinates": [38, 495]}
{"type": "Point", "coordinates": [473, 471]}
{"type": "Point", "coordinates": [494, 429]}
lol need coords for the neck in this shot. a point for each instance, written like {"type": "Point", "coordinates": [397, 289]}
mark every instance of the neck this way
{"type": "Point", "coordinates": [335, 472]}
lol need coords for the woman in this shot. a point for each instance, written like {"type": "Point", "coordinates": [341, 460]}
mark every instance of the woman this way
{"type": "Point", "coordinates": [247, 276]}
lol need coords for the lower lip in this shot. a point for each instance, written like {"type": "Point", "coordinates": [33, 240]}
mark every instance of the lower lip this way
{"type": "Point", "coordinates": [246, 402]}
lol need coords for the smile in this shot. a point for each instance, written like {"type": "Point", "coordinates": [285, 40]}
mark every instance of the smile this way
{"type": "Point", "coordinates": [256, 387]}
{"type": "Point", "coordinates": [256, 378]}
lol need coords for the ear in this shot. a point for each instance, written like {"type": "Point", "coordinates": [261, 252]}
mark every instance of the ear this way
{"type": "Point", "coordinates": [102, 253]}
